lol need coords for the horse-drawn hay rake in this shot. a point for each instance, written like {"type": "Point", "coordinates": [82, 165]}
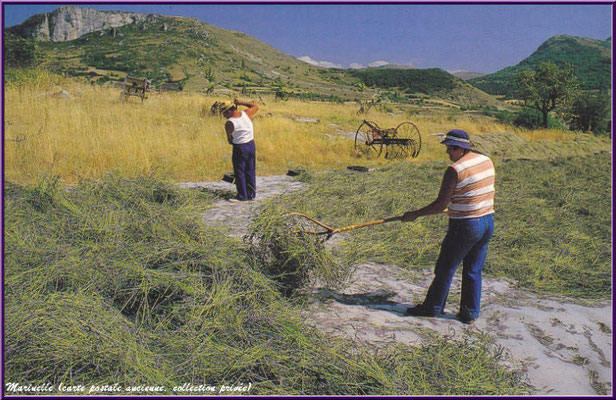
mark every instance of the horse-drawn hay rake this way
{"type": "Point", "coordinates": [399, 142]}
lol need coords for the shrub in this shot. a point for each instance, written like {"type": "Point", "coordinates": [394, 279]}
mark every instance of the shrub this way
{"type": "Point", "coordinates": [528, 118]}
{"type": "Point", "coordinates": [591, 113]}
{"type": "Point", "coordinates": [20, 52]}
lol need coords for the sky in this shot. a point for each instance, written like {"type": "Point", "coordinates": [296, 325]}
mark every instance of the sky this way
{"type": "Point", "coordinates": [471, 37]}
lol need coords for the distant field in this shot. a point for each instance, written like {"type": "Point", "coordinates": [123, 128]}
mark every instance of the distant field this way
{"type": "Point", "coordinates": [172, 134]}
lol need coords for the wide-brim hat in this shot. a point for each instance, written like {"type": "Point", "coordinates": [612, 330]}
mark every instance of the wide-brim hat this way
{"type": "Point", "coordinates": [226, 106]}
{"type": "Point", "coordinates": [457, 137]}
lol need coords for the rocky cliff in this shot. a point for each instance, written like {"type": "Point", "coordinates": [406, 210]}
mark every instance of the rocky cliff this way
{"type": "Point", "coordinates": [69, 23]}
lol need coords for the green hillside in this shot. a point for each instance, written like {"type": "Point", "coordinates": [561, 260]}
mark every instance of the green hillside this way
{"type": "Point", "coordinates": [200, 57]}
{"type": "Point", "coordinates": [194, 54]}
{"type": "Point", "coordinates": [591, 60]}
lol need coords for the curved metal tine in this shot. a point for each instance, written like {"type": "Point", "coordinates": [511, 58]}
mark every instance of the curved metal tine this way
{"type": "Point", "coordinates": [305, 228]}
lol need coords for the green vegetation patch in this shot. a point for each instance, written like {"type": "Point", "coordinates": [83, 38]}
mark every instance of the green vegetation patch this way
{"type": "Point", "coordinates": [413, 80]}
{"type": "Point", "coordinates": [556, 226]}
{"type": "Point", "coordinates": [117, 282]}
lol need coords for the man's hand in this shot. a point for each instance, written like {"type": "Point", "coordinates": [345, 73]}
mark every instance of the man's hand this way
{"type": "Point", "coordinates": [409, 216]}
{"type": "Point", "coordinates": [252, 107]}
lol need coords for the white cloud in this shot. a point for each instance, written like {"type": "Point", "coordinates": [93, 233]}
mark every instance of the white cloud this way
{"type": "Point", "coordinates": [327, 64]}
{"type": "Point", "coordinates": [308, 60]}
{"type": "Point", "coordinates": [378, 63]}
{"type": "Point", "coordinates": [324, 64]}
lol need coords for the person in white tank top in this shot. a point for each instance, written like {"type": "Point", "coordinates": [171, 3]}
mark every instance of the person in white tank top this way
{"type": "Point", "coordinates": [240, 134]}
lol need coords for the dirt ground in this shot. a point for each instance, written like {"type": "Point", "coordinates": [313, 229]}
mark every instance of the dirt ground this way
{"type": "Point", "coordinates": [564, 346]}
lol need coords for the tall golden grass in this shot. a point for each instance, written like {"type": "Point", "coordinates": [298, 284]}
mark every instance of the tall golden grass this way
{"type": "Point", "coordinates": [172, 135]}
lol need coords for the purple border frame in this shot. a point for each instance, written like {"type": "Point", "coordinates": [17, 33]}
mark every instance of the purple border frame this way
{"type": "Point", "coordinates": [323, 2]}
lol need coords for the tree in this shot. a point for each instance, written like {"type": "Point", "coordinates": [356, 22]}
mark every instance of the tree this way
{"type": "Point", "coordinates": [281, 92]}
{"type": "Point", "coordinates": [209, 76]}
{"type": "Point", "coordinates": [590, 112]}
{"type": "Point", "coordinates": [20, 52]}
{"type": "Point", "coordinates": [547, 87]}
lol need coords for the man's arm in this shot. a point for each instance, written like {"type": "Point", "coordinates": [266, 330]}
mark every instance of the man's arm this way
{"type": "Point", "coordinates": [252, 107]}
{"type": "Point", "coordinates": [450, 179]}
{"type": "Point", "coordinates": [229, 129]}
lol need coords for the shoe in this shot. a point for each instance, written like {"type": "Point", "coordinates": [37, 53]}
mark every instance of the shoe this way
{"type": "Point", "coordinates": [466, 320]}
{"type": "Point", "coordinates": [464, 316]}
{"type": "Point", "coordinates": [236, 201]}
{"type": "Point", "coordinates": [419, 311]}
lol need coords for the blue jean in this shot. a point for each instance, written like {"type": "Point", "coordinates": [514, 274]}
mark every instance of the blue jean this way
{"type": "Point", "coordinates": [466, 242]}
{"type": "Point", "coordinates": [244, 163]}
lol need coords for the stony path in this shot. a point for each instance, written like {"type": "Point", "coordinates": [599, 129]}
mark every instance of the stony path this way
{"type": "Point", "coordinates": [236, 216]}
{"type": "Point", "coordinates": [565, 348]}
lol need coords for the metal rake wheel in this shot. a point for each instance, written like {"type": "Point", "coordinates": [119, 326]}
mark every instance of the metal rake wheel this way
{"type": "Point", "coordinates": [406, 142]}
{"type": "Point", "coordinates": [368, 140]}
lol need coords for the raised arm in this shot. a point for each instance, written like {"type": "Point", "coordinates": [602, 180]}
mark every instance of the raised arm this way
{"type": "Point", "coordinates": [252, 107]}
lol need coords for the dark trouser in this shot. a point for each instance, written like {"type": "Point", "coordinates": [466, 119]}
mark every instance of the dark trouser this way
{"type": "Point", "coordinates": [244, 163]}
{"type": "Point", "coordinates": [467, 242]}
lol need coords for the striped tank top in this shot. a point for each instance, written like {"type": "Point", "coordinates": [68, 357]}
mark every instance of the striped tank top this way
{"type": "Point", "coordinates": [473, 196]}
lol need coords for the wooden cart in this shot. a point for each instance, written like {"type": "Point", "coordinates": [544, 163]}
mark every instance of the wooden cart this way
{"type": "Point", "coordinates": [135, 86]}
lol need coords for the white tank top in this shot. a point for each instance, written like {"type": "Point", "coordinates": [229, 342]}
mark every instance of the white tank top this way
{"type": "Point", "coordinates": [243, 131]}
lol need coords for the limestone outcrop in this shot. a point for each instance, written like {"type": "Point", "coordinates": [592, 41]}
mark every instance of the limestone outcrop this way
{"type": "Point", "coordinates": [69, 23]}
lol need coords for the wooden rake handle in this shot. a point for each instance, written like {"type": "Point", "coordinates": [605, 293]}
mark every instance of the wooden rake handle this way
{"type": "Point", "coordinates": [377, 222]}
{"type": "Point", "coordinates": [330, 231]}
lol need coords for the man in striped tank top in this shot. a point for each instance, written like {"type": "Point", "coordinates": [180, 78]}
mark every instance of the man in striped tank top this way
{"type": "Point", "coordinates": [467, 192]}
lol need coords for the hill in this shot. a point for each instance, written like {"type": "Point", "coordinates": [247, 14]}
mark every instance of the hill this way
{"type": "Point", "coordinates": [433, 82]}
{"type": "Point", "coordinates": [466, 75]}
{"type": "Point", "coordinates": [396, 66]}
{"type": "Point", "coordinates": [106, 46]}
{"type": "Point", "coordinates": [591, 60]}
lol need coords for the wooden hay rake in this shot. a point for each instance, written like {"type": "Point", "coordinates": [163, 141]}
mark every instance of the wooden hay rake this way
{"type": "Point", "coordinates": [399, 142]}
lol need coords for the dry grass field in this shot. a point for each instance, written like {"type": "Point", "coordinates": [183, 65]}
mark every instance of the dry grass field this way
{"type": "Point", "coordinates": [92, 132]}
